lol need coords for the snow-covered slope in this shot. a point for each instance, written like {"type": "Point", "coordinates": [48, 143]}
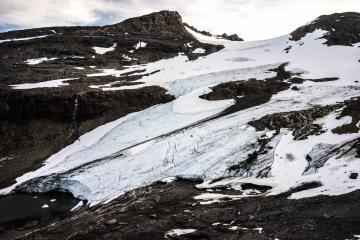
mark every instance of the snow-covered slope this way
{"type": "Point", "coordinates": [183, 138]}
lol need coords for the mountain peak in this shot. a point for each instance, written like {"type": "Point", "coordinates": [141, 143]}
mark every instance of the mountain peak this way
{"type": "Point", "coordinates": [165, 23]}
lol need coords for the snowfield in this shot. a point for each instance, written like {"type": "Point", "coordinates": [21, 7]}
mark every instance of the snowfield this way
{"type": "Point", "coordinates": [174, 139]}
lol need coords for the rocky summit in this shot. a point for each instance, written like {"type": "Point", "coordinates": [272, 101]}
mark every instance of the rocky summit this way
{"type": "Point", "coordinates": [153, 129]}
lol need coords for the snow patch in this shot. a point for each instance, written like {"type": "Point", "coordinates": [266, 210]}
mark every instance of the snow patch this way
{"type": "Point", "coordinates": [192, 102]}
{"type": "Point", "coordinates": [103, 50]}
{"type": "Point", "coordinates": [114, 72]}
{"type": "Point", "coordinates": [35, 61]}
{"type": "Point", "coordinates": [206, 39]}
{"type": "Point", "coordinates": [210, 198]}
{"type": "Point", "coordinates": [140, 45]}
{"type": "Point", "coordinates": [179, 232]}
{"type": "Point", "coordinates": [126, 58]}
{"type": "Point", "coordinates": [168, 180]}
{"type": "Point", "coordinates": [22, 39]}
{"type": "Point", "coordinates": [46, 84]}
{"type": "Point", "coordinates": [199, 51]}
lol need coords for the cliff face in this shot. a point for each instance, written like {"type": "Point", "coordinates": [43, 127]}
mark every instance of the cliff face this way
{"type": "Point", "coordinates": [35, 124]}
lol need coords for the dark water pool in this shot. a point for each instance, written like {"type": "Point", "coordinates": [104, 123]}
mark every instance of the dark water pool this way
{"type": "Point", "coordinates": [21, 208]}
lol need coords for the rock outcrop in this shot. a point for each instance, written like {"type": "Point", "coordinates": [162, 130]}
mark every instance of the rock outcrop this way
{"type": "Point", "coordinates": [342, 28]}
{"type": "Point", "coordinates": [302, 122]}
{"type": "Point", "coordinates": [232, 37]}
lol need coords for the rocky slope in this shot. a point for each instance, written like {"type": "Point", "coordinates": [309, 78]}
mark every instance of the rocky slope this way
{"type": "Point", "coordinates": [137, 41]}
{"type": "Point", "coordinates": [259, 140]}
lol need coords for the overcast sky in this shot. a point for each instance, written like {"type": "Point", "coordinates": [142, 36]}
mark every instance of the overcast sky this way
{"type": "Point", "coordinates": [250, 19]}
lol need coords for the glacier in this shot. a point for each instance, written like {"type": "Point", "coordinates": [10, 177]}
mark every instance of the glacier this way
{"type": "Point", "coordinates": [182, 138]}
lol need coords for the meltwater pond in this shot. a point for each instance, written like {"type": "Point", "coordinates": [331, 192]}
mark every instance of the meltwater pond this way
{"type": "Point", "coordinates": [22, 208]}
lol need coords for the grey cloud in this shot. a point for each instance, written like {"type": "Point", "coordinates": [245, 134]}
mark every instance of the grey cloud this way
{"type": "Point", "coordinates": [251, 19]}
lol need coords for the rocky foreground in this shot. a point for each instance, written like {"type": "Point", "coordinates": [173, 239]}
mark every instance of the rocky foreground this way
{"type": "Point", "coordinates": [179, 210]}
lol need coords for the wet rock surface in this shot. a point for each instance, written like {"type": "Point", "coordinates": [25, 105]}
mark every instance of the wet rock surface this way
{"type": "Point", "coordinates": [152, 212]}
{"type": "Point", "coordinates": [343, 28]}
